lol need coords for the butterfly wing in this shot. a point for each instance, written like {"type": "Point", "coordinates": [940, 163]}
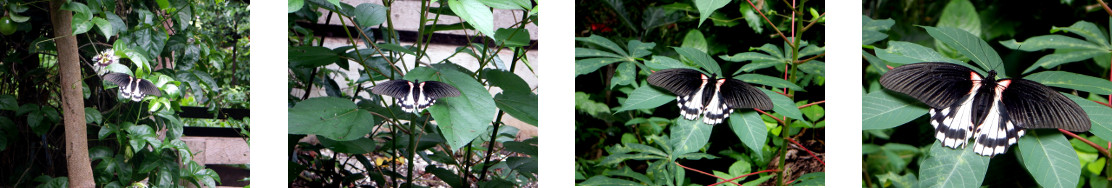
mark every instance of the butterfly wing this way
{"type": "Point", "coordinates": [937, 84]}
{"type": "Point", "coordinates": [738, 94]}
{"type": "Point", "coordinates": [949, 90]}
{"type": "Point", "coordinates": [393, 88]}
{"type": "Point", "coordinates": [687, 84]}
{"type": "Point", "coordinates": [1033, 105]}
{"type": "Point", "coordinates": [436, 90]}
{"type": "Point", "coordinates": [148, 88]}
{"type": "Point", "coordinates": [119, 79]}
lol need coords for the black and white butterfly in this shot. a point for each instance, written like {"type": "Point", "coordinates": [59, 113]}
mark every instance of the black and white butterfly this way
{"type": "Point", "coordinates": [131, 87]}
{"type": "Point", "coordinates": [415, 96]}
{"type": "Point", "coordinates": [714, 98]}
{"type": "Point", "coordinates": [964, 103]}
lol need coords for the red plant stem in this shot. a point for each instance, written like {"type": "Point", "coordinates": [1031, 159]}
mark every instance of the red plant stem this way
{"type": "Point", "coordinates": [701, 172]}
{"type": "Point", "coordinates": [1105, 5]}
{"type": "Point", "coordinates": [1105, 104]}
{"type": "Point", "coordinates": [786, 77]}
{"type": "Point", "coordinates": [1094, 145]}
{"type": "Point", "coordinates": [808, 151]}
{"type": "Point", "coordinates": [770, 115]}
{"type": "Point", "coordinates": [811, 104]}
{"type": "Point", "coordinates": [731, 180]}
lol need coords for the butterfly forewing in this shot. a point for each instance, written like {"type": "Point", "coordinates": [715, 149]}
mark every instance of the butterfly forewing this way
{"type": "Point", "coordinates": [1037, 106]}
{"type": "Point", "coordinates": [936, 84]}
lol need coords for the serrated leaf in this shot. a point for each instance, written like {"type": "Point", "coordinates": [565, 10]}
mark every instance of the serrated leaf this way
{"type": "Point", "coordinates": [907, 53]}
{"type": "Point", "coordinates": [1062, 57]}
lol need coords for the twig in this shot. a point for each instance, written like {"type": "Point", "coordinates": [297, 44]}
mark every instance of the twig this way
{"type": "Point", "coordinates": [1094, 145]}
{"type": "Point", "coordinates": [808, 151]}
{"type": "Point", "coordinates": [811, 58]}
{"type": "Point", "coordinates": [712, 175]}
{"type": "Point", "coordinates": [770, 23]}
{"type": "Point", "coordinates": [1105, 5]}
{"type": "Point", "coordinates": [812, 104]}
{"type": "Point", "coordinates": [770, 115]}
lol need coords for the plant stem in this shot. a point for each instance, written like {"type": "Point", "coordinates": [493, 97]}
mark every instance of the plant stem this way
{"type": "Point", "coordinates": [490, 145]}
{"type": "Point", "coordinates": [412, 147]}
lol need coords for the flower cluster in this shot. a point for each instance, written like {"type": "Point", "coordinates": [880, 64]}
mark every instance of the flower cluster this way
{"type": "Point", "coordinates": [103, 59]}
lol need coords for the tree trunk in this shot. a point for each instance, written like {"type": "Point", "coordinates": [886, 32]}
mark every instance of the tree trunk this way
{"type": "Point", "coordinates": [73, 105]}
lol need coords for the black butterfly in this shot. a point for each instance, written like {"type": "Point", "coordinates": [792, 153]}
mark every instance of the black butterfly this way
{"type": "Point", "coordinates": [714, 98]}
{"type": "Point", "coordinates": [415, 96]}
{"type": "Point", "coordinates": [1000, 110]}
{"type": "Point", "coordinates": [131, 87]}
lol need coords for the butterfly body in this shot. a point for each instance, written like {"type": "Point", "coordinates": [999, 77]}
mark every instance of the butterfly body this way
{"type": "Point", "coordinates": [416, 95]}
{"type": "Point", "coordinates": [713, 98]}
{"type": "Point", "coordinates": [966, 105]}
{"type": "Point", "coordinates": [131, 87]}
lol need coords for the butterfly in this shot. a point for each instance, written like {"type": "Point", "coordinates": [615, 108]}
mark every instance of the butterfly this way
{"type": "Point", "coordinates": [965, 104]}
{"type": "Point", "coordinates": [131, 87]}
{"type": "Point", "coordinates": [714, 98]}
{"type": "Point", "coordinates": [416, 95]}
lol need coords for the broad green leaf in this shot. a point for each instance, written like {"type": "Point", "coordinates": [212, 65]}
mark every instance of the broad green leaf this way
{"type": "Point", "coordinates": [512, 37]}
{"type": "Point", "coordinates": [507, 4]}
{"type": "Point", "coordinates": [689, 136]}
{"type": "Point", "coordinates": [700, 59]}
{"type": "Point", "coordinates": [522, 107]}
{"type": "Point", "coordinates": [961, 14]}
{"type": "Point", "coordinates": [638, 49]}
{"type": "Point", "coordinates": [875, 62]}
{"type": "Point", "coordinates": [1049, 42]}
{"type": "Point", "coordinates": [1091, 32]}
{"type": "Point", "coordinates": [295, 5]}
{"type": "Point", "coordinates": [8, 102]}
{"type": "Point", "coordinates": [752, 19]}
{"type": "Point", "coordinates": [475, 14]}
{"type": "Point", "coordinates": [601, 180]}
{"type": "Point", "coordinates": [92, 115]}
{"type": "Point", "coordinates": [882, 110]}
{"type": "Point", "coordinates": [645, 97]}
{"type": "Point", "coordinates": [311, 56]}
{"type": "Point", "coordinates": [707, 7]}
{"type": "Point", "coordinates": [969, 45]}
{"type": "Point", "coordinates": [1049, 158]}
{"type": "Point", "coordinates": [811, 179]}
{"type": "Point", "coordinates": [369, 14]}
{"type": "Point", "coordinates": [947, 167]}
{"type": "Point", "coordinates": [872, 30]}
{"type": "Point", "coordinates": [813, 112]}
{"type": "Point", "coordinates": [587, 52]}
{"type": "Point", "coordinates": [664, 62]}
{"type": "Point", "coordinates": [695, 39]}
{"type": "Point", "coordinates": [768, 81]}
{"type": "Point", "coordinates": [1062, 57]}
{"type": "Point", "coordinates": [334, 118]}
{"type": "Point", "coordinates": [357, 146]}
{"type": "Point", "coordinates": [749, 56]}
{"type": "Point", "coordinates": [460, 119]}
{"type": "Point", "coordinates": [1071, 80]}
{"type": "Point", "coordinates": [749, 128]}
{"type": "Point", "coordinates": [908, 53]}
{"type": "Point", "coordinates": [1099, 115]}
{"type": "Point", "coordinates": [783, 105]}
{"type": "Point", "coordinates": [105, 27]}
{"type": "Point", "coordinates": [584, 66]}
{"type": "Point", "coordinates": [624, 75]}
{"type": "Point", "coordinates": [82, 17]}
{"type": "Point", "coordinates": [605, 43]}
{"type": "Point", "coordinates": [905, 181]}
{"type": "Point", "coordinates": [584, 104]}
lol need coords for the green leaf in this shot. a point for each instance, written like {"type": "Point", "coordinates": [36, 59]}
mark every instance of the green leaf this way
{"type": "Point", "coordinates": [1087, 30]}
{"type": "Point", "coordinates": [105, 27]}
{"type": "Point", "coordinates": [813, 112]}
{"type": "Point", "coordinates": [752, 19]}
{"type": "Point", "coordinates": [969, 45]}
{"type": "Point", "coordinates": [664, 62]}
{"type": "Point", "coordinates": [587, 52]}
{"type": "Point", "coordinates": [512, 37]}
{"type": "Point", "coordinates": [369, 14]}
{"type": "Point", "coordinates": [905, 181]}
{"type": "Point", "coordinates": [334, 118]}
{"type": "Point", "coordinates": [600, 180]}
{"type": "Point", "coordinates": [695, 39]}
{"type": "Point", "coordinates": [295, 5]}
{"type": "Point", "coordinates": [82, 17]}
{"type": "Point", "coordinates": [1049, 42]}
{"type": "Point", "coordinates": [700, 59]}
{"type": "Point", "coordinates": [755, 57]}
{"type": "Point", "coordinates": [1062, 57]}
{"type": "Point", "coordinates": [645, 97]}
{"type": "Point", "coordinates": [507, 4]}
{"type": "Point", "coordinates": [811, 179]}
{"type": "Point", "coordinates": [584, 66]}
{"type": "Point", "coordinates": [357, 146]}
{"type": "Point", "coordinates": [8, 102]}
{"type": "Point", "coordinates": [783, 105]}
{"type": "Point", "coordinates": [907, 53]}
{"type": "Point", "coordinates": [460, 119]}
{"type": "Point", "coordinates": [961, 14]}
{"type": "Point", "coordinates": [638, 49]}
{"type": "Point", "coordinates": [707, 7]}
{"type": "Point", "coordinates": [749, 128]}
{"type": "Point", "coordinates": [1099, 115]}
{"type": "Point", "coordinates": [1049, 158]}
{"type": "Point", "coordinates": [1071, 80]}
{"type": "Point", "coordinates": [522, 107]}
{"type": "Point", "coordinates": [882, 110]}
{"type": "Point", "coordinates": [946, 167]}
{"type": "Point", "coordinates": [475, 14]}
{"type": "Point", "coordinates": [92, 115]}
{"type": "Point", "coordinates": [311, 56]}
{"type": "Point", "coordinates": [689, 136]}
{"type": "Point", "coordinates": [605, 43]}
{"type": "Point", "coordinates": [768, 81]}
{"type": "Point", "coordinates": [624, 75]}
{"type": "Point", "coordinates": [871, 30]}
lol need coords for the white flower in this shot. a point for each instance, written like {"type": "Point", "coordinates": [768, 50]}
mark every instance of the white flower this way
{"type": "Point", "coordinates": [103, 59]}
